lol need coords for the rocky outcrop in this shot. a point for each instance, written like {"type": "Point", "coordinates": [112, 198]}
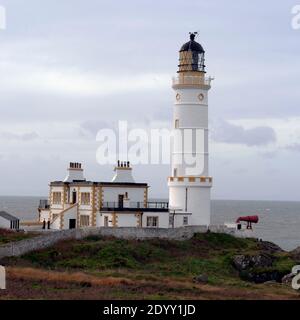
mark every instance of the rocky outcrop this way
{"type": "Point", "coordinates": [244, 262]}
{"type": "Point", "coordinates": [269, 247]}
{"type": "Point", "coordinates": [287, 279]}
{"type": "Point", "coordinates": [257, 268]}
{"type": "Point", "coordinates": [295, 254]}
{"type": "Point", "coordinates": [262, 276]}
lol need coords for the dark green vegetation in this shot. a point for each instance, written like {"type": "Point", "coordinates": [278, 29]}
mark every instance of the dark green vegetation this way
{"type": "Point", "coordinates": [210, 254]}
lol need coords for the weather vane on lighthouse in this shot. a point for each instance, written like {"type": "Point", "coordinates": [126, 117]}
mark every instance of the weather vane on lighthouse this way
{"type": "Point", "coordinates": [193, 35]}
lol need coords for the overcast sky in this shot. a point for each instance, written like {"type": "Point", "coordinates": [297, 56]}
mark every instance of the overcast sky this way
{"type": "Point", "coordinates": [71, 67]}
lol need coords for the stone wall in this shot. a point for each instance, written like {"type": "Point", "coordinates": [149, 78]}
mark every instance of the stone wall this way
{"type": "Point", "coordinates": [21, 247]}
{"type": "Point", "coordinates": [47, 240]}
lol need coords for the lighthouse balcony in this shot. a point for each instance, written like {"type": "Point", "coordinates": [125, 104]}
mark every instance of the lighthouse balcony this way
{"type": "Point", "coordinates": [152, 206]}
{"type": "Point", "coordinates": [191, 181]}
{"type": "Point", "coordinates": [191, 81]}
{"type": "Point", "coordinates": [44, 205]}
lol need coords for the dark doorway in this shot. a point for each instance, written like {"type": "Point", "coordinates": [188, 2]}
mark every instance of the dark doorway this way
{"type": "Point", "coordinates": [74, 197]}
{"type": "Point", "coordinates": [72, 223]}
{"type": "Point", "coordinates": [106, 221]}
{"type": "Point", "coordinates": [121, 201]}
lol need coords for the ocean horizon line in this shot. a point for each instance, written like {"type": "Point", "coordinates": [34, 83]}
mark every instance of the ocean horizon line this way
{"type": "Point", "coordinates": [162, 198]}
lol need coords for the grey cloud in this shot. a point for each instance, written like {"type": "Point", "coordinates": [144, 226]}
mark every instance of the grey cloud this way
{"type": "Point", "coordinates": [270, 155]}
{"type": "Point", "coordinates": [229, 133]}
{"type": "Point", "coordinates": [241, 171]}
{"type": "Point", "coordinates": [91, 127]}
{"type": "Point", "coordinates": [20, 137]}
{"type": "Point", "coordinates": [293, 147]}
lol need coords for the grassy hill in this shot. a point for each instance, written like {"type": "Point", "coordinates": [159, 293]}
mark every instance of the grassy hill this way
{"type": "Point", "coordinates": [107, 268]}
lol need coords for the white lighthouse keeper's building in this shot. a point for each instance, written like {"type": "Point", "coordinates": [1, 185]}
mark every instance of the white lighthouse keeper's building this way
{"type": "Point", "coordinates": [190, 184]}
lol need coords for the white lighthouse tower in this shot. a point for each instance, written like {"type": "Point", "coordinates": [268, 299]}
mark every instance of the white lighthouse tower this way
{"type": "Point", "coordinates": [190, 183]}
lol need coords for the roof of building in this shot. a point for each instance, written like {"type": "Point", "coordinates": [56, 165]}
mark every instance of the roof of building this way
{"type": "Point", "coordinates": [96, 183]}
{"type": "Point", "coordinates": [192, 45]}
{"type": "Point", "coordinates": [8, 216]}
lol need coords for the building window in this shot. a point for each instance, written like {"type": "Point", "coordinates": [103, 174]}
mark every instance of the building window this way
{"type": "Point", "coordinates": [152, 221]}
{"type": "Point", "coordinates": [185, 221]}
{"type": "Point", "coordinates": [56, 197]}
{"type": "Point", "coordinates": [84, 221]}
{"type": "Point", "coordinates": [175, 172]}
{"type": "Point", "coordinates": [176, 123]}
{"type": "Point", "coordinates": [85, 198]}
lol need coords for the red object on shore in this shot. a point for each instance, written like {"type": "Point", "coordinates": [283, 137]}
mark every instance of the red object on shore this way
{"type": "Point", "coordinates": [249, 220]}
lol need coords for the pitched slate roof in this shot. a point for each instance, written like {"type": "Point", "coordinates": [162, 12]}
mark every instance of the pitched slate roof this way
{"type": "Point", "coordinates": [8, 216]}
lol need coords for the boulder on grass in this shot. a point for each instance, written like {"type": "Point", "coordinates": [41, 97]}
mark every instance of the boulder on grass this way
{"type": "Point", "coordinates": [201, 278]}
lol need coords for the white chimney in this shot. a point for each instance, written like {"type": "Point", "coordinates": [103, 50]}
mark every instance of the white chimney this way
{"type": "Point", "coordinates": [75, 172]}
{"type": "Point", "coordinates": [123, 172]}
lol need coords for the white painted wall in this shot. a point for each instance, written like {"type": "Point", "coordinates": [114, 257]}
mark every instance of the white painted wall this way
{"type": "Point", "coordinates": [135, 194]}
{"type": "Point", "coordinates": [190, 197]}
{"type": "Point", "coordinates": [74, 174]}
{"type": "Point", "coordinates": [192, 115]}
{"type": "Point", "coordinates": [198, 203]}
{"type": "Point", "coordinates": [70, 214]}
{"type": "Point", "coordinates": [44, 214]}
{"type": "Point", "coordinates": [178, 220]}
{"type": "Point", "coordinates": [127, 220]}
{"type": "Point", "coordinates": [123, 175]}
{"type": "Point", "coordinates": [163, 218]}
{"type": "Point", "coordinates": [4, 224]}
{"type": "Point", "coordinates": [55, 224]}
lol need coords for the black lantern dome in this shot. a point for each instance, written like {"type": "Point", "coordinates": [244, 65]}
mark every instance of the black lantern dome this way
{"type": "Point", "coordinates": [191, 56]}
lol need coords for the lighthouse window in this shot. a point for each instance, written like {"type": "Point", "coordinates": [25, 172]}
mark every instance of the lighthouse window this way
{"type": "Point", "coordinates": [185, 221]}
{"type": "Point", "coordinates": [195, 61]}
{"type": "Point", "coordinates": [152, 222]}
{"type": "Point", "coordinates": [85, 198]}
{"type": "Point", "coordinates": [56, 197]}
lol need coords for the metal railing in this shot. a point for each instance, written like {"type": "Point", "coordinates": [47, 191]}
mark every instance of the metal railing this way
{"type": "Point", "coordinates": [191, 80]}
{"type": "Point", "coordinates": [136, 205]}
{"type": "Point", "coordinates": [44, 204]}
{"type": "Point", "coordinates": [110, 205]}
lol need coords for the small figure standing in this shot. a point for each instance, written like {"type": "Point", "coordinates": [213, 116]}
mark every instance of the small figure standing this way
{"type": "Point", "coordinates": [48, 224]}
{"type": "Point", "coordinates": [44, 224]}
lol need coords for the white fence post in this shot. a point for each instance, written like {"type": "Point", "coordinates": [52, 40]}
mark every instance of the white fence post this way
{"type": "Point", "coordinates": [2, 278]}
